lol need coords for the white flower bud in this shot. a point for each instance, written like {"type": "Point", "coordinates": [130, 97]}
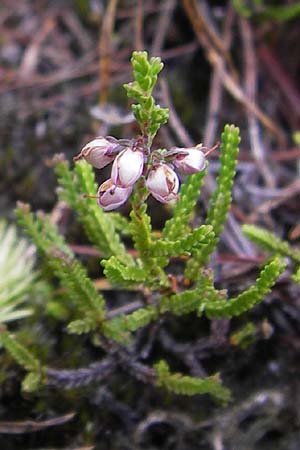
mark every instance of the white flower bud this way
{"type": "Point", "coordinates": [97, 152]}
{"type": "Point", "coordinates": [163, 183]}
{"type": "Point", "coordinates": [189, 160]}
{"type": "Point", "coordinates": [127, 167]}
{"type": "Point", "coordinates": [111, 196]}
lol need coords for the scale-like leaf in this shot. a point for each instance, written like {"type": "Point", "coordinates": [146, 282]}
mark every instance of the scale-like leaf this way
{"type": "Point", "coordinates": [271, 242]}
{"type": "Point", "coordinates": [251, 297]}
{"type": "Point", "coordinates": [75, 188]}
{"type": "Point", "coordinates": [126, 276]}
{"type": "Point", "coordinates": [186, 385]}
{"type": "Point", "coordinates": [196, 239]}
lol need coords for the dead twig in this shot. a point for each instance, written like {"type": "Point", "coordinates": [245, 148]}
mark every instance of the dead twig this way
{"type": "Point", "coordinates": [105, 49]}
{"type": "Point", "coordinates": [284, 195]}
{"type": "Point", "coordinates": [139, 22]}
{"type": "Point", "coordinates": [209, 35]}
{"type": "Point", "coordinates": [164, 20]}
{"type": "Point", "coordinates": [31, 426]}
{"type": "Point", "coordinates": [216, 87]}
{"type": "Point", "coordinates": [284, 83]}
{"type": "Point", "coordinates": [250, 83]}
{"type": "Point", "coordinates": [31, 55]}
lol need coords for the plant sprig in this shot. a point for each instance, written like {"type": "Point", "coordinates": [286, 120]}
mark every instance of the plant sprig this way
{"type": "Point", "coordinates": [148, 115]}
{"type": "Point", "coordinates": [138, 170]}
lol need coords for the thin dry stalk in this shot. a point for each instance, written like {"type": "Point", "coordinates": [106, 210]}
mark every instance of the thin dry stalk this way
{"type": "Point", "coordinates": [164, 20]}
{"type": "Point", "coordinates": [250, 86]}
{"type": "Point", "coordinates": [216, 87]}
{"type": "Point", "coordinates": [139, 26]}
{"type": "Point", "coordinates": [105, 49]}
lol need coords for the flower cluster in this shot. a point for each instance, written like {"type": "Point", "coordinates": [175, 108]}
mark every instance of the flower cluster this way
{"type": "Point", "coordinates": [132, 160]}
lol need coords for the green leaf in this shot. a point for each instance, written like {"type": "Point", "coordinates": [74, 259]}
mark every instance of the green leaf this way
{"type": "Point", "coordinates": [118, 274]}
{"type": "Point", "coordinates": [19, 352]}
{"type": "Point", "coordinates": [116, 330]}
{"type": "Point", "coordinates": [197, 238]}
{"type": "Point", "coordinates": [148, 115]}
{"type": "Point", "coordinates": [140, 318]}
{"type": "Point", "coordinates": [182, 303]}
{"type": "Point", "coordinates": [74, 277]}
{"type": "Point", "coordinates": [271, 242]}
{"type": "Point", "coordinates": [251, 297]}
{"type": "Point", "coordinates": [121, 223]}
{"type": "Point", "coordinates": [98, 226]}
{"type": "Point", "coordinates": [245, 336]}
{"type": "Point", "coordinates": [59, 257]}
{"type": "Point", "coordinates": [186, 385]}
{"type": "Point", "coordinates": [296, 276]}
{"type": "Point", "coordinates": [32, 382]}
{"type": "Point", "coordinates": [82, 326]}
{"type": "Point", "coordinates": [141, 234]}
{"type": "Point", "coordinates": [220, 201]}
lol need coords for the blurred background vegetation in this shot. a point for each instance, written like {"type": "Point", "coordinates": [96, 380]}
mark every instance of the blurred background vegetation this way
{"type": "Point", "coordinates": [62, 66]}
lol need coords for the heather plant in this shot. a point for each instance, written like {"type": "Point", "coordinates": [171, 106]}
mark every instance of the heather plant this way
{"type": "Point", "coordinates": [138, 171]}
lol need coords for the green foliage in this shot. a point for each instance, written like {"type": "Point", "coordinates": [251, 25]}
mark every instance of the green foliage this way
{"type": "Point", "coordinates": [148, 115]}
{"type": "Point", "coordinates": [99, 227]}
{"type": "Point", "coordinates": [220, 201]}
{"type": "Point", "coordinates": [120, 275]}
{"type": "Point", "coordinates": [147, 268]}
{"type": "Point", "coordinates": [33, 379]}
{"type": "Point", "coordinates": [296, 276]}
{"type": "Point", "coordinates": [245, 336]}
{"type": "Point", "coordinates": [59, 257]}
{"type": "Point", "coordinates": [32, 382]}
{"type": "Point", "coordinates": [141, 231]}
{"type": "Point", "coordinates": [280, 13]}
{"type": "Point", "coordinates": [82, 326]}
{"type": "Point", "coordinates": [17, 277]}
{"type": "Point", "coordinates": [269, 241]}
{"type": "Point", "coordinates": [121, 223]}
{"type": "Point", "coordinates": [19, 353]}
{"type": "Point", "coordinates": [182, 303]}
{"type": "Point", "coordinates": [116, 330]}
{"type": "Point", "coordinates": [139, 318]}
{"type": "Point", "coordinates": [252, 296]}
{"type": "Point", "coordinates": [186, 385]}
{"type": "Point", "coordinates": [196, 239]}
{"type": "Point", "coordinates": [192, 299]}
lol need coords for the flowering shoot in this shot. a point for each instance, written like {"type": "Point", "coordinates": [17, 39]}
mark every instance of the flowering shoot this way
{"type": "Point", "coordinates": [135, 160]}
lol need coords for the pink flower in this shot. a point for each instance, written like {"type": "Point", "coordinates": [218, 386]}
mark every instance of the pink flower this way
{"type": "Point", "coordinates": [163, 183]}
{"type": "Point", "coordinates": [111, 196]}
{"type": "Point", "coordinates": [189, 160]}
{"type": "Point", "coordinates": [98, 152]}
{"type": "Point", "coordinates": [127, 167]}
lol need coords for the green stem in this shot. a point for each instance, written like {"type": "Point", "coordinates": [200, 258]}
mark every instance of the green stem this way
{"type": "Point", "coordinates": [142, 236]}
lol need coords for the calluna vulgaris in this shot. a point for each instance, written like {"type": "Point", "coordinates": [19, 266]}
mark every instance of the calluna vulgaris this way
{"type": "Point", "coordinates": [133, 159]}
{"type": "Point", "coordinates": [138, 170]}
